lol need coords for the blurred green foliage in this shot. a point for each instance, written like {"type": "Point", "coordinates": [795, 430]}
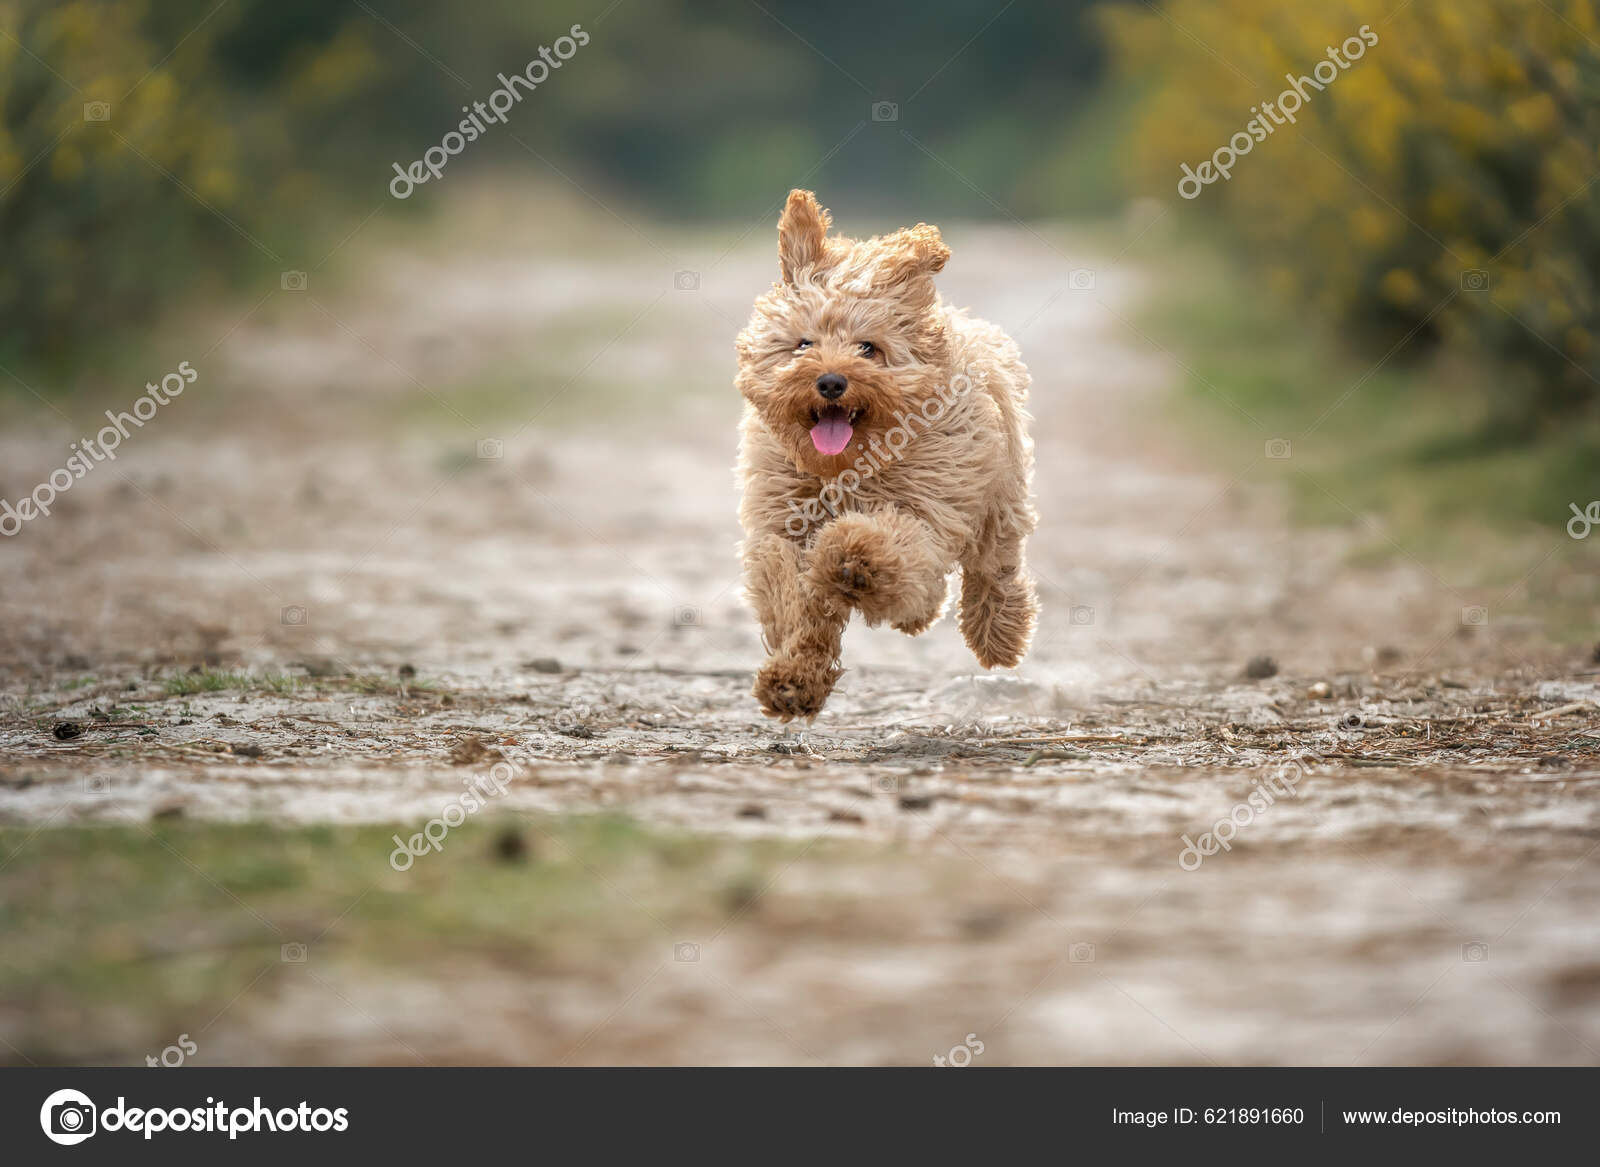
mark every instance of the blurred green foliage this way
{"type": "Point", "coordinates": [1441, 189]}
{"type": "Point", "coordinates": [150, 150]}
{"type": "Point", "coordinates": [1409, 453]}
{"type": "Point", "coordinates": [140, 155]}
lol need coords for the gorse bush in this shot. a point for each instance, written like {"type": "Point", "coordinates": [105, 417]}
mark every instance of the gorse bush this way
{"type": "Point", "coordinates": [134, 161]}
{"type": "Point", "coordinates": [1443, 187]}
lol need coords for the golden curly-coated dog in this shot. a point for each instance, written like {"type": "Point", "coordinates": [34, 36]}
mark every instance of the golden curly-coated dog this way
{"type": "Point", "coordinates": [884, 444]}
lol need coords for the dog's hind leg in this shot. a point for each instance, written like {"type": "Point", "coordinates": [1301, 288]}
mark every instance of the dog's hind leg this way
{"type": "Point", "coordinates": [998, 604]}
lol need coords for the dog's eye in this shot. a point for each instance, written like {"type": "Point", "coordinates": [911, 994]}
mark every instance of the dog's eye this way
{"type": "Point", "coordinates": [802, 346]}
{"type": "Point", "coordinates": [867, 347]}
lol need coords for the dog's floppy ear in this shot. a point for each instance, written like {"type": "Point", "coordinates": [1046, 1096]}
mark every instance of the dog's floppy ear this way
{"type": "Point", "coordinates": [913, 254]}
{"type": "Point", "coordinates": [800, 233]}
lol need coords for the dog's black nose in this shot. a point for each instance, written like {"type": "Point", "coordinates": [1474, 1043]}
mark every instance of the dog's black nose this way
{"type": "Point", "coordinates": [831, 386]}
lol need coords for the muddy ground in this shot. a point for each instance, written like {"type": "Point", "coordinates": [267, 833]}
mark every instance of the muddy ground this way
{"type": "Point", "coordinates": [474, 502]}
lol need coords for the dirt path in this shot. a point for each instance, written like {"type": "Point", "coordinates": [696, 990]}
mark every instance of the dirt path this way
{"type": "Point", "coordinates": [406, 612]}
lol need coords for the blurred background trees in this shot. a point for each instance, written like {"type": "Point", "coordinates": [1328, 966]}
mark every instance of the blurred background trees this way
{"type": "Point", "coordinates": [152, 151]}
{"type": "Point", "coordinates": [151, 148]}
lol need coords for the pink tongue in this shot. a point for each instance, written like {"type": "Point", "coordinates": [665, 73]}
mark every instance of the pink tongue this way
{"type": "Point", "coordinates": [831, 434]}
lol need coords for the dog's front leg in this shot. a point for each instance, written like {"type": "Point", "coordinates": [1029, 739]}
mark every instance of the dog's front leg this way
{"type": "Point", "coordinates": [888, 565]}
{"type": "Point", "coordinates": [772, 570]}
{"type": "Point", "coordinates": [802, 630]}
{"type": "Point", "coordinates": [798, 677]}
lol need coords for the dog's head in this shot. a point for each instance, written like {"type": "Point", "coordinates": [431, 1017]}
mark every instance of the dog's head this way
{"type": "Point", "coordinates": [849, 339]}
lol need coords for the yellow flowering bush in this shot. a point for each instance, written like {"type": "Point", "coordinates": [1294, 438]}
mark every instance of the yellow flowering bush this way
{"type": "Point", "coordinates": [134, 163]}
{"type": "Point", "coordinates": [1443, 183]}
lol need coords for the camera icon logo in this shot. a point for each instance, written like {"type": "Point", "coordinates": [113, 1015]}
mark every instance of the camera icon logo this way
{"type": "Point", "coordinates": [293, 281]}
{"type": "Point", "coordinates": [885, 111]}
{"type": "Point", "coordinates": [686, 953]}
{"type": "Point", "coordinates": [686, 281]}
{"type": "Point", "coordinates": [491, 449]}
{"type": "Point", "coordinates": [1474, 279]}
{"type": "Point", "coordinates": [68, 1117]}
{"type": "Point", "coordinates": [1081, 279]}
{"type": "Point", "coordinates": [292, 953]}
{"type": "Point", "coordinates": [1475, 952]}
{"type": "Point", "coordinates": [1278, 449]}
{"type": "Point", "coordinates": [1081, 615]}
{"type": "Point", "coordinates": [686, 617]}
{"type": "Point", "coordinates": [1476, 616]}
{"type": "Point", "coordinates": [97, 784]}
{"type": "Point", "coordinates": [1081, 954]}
{"type": "Point", "coordinates": [294, 616]}
{"type": "Point", "coordinates": [888, 784]}
{"type": "Point", "coordinates": [97, 111]}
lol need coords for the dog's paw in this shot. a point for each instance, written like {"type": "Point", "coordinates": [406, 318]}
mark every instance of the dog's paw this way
{"type": "Point", "coordinates": [884, 569]}
{"type": "Point", "coordinates": [788, 687]}
{"type": "Point", "coordinates": [854, 579]}
{"type": "Point", "coordinates": [854, 561]}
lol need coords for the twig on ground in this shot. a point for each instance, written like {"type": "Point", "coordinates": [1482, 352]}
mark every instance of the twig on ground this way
{"type": "Point", "coordinates": [1563, 710]}
{"type": "Point", "coordinates": [1052, 738]}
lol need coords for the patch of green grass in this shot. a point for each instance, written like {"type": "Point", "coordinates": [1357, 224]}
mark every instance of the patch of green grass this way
{"type": "Point", "coordinates": [1404, 447]}
{"type": "Point", "coordinates": [381, 684]}
{"type": "Point", "coordinates": [116, 932]}
{"type": "Point", "coordinates": [1414, 442]}
{"type": "Point", "coordinates": [188, 684]}
{"type": "Point", "coordinates": [371, 684]}
{"type": "Point", "coordinates": [210, 681]}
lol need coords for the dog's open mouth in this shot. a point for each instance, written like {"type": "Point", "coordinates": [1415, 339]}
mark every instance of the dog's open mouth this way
{"type": "Point", "coordinates": [832, 427]}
